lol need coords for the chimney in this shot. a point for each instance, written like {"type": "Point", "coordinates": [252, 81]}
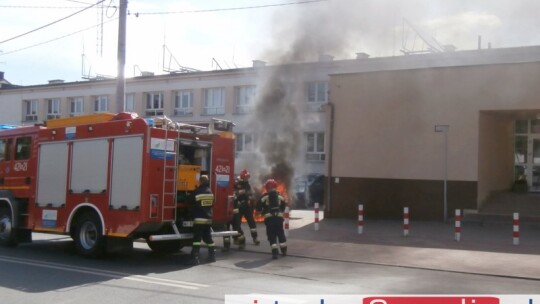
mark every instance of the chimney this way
{"type": "Point", "coordinates": [147, 73]}
{"type": "Point", "coordinates": [325, 58]}
{"type": "Point", "coordinates": [56, 81]}
{"type": "Point", "coordinates": [362, 55]}
{"type": "Point", "coordinates": [1, 75]}
{"type": "Point", "coordinates": [259, 63]}
{"type": "Point", "coordinates": [479, 42]}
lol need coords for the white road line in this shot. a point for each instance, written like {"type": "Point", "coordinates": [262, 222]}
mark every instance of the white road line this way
{"type": "Point", "coordinates": [105, 273]}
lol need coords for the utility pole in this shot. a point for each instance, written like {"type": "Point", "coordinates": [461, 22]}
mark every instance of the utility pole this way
{"type": "Point", "coordinates": [121, 80]}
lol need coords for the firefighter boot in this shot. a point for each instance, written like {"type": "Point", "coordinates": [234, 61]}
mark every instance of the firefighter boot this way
{"type": "Point", "coordinates": [195, 255]}
{"type": "Point", "coordinates": [211, 254]}
{"type": "Point", "coordinates": [283, 250]}
{"type": "Point", "coordinates": [275, 253]}
{"type": "Point", "coordinates": [254, 236]}
{"type": "Point", "coordinates": [241, 242]}
{"type": "Point", "coordinates": [226, 244]}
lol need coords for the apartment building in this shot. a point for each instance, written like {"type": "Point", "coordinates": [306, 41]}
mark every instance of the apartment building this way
{"type": "Point", "coordinates": [193, 98]}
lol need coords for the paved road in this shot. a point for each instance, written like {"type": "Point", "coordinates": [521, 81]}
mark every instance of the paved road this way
{"type": "Point", "coordinates": [333, 260]}
{"type": "Point", "coordinates": [50, 271]}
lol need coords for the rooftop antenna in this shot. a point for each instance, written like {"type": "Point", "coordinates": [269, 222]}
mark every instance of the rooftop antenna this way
{"type": "Point", "coordinates": [99, 35]}
{"type": "Point", "coordinates": [172, 65]}
{"type": "Point", "coordinates": [84, 74]}
{"type": "Point", "coordinates": [214, 61]}
{"type": "Point", "coordinates": [433, 46]}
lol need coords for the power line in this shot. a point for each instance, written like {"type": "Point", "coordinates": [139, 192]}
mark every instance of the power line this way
{"type": "Point", "coordinates": [40, 7]}
{"type": "Point", "coordinates": [57, 38]}
{"type": "Point", "coordinates": [49, 24]}
{"type": "Point", "coordinates": [231, 8]}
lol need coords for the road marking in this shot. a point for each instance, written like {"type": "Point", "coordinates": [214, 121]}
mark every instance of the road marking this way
{"type": "Point", "coordinates": [105, 273]}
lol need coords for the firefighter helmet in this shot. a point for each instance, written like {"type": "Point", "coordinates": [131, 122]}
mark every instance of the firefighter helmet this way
{"type": "Point", "coordinates": [244, 174]}
{"type": "Point", "coordinates": [270, 184]}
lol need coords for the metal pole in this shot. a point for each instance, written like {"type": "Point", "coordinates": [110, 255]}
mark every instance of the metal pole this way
{"type": "Point", "coordinates": [445, 174]}
{"type": "Point", "coordinates": [121, 80]}
{"type": "Point", "coordinates": [444, 129]}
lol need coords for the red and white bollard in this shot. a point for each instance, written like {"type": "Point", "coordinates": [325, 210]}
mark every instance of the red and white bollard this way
{"type": "Point", "coordinates": [360, 219]}
{"type": "Point", "coordinates": [405, 221]}
{"type": "Point", "coordinates": [515, 232]}
{"type": "Point", "coordinates": [316, 225]}
{"type": "Point", "coordinates": [457, 228]}
{"type": "Point", "coordinates": [286, 221]}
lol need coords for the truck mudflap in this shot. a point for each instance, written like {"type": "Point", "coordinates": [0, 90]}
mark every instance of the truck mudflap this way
{"type": "Point", "coordinates": [186, 236]}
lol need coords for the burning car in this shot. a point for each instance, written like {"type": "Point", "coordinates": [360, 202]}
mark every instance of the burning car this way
{"type": "Point", "coordinates": [309, 189]}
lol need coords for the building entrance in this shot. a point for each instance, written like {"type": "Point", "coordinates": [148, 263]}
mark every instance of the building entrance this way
{"type": "Point", "coordinates": [527, 153]}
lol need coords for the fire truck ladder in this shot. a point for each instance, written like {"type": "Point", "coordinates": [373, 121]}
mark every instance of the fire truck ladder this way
{"type": "Point", "coordinates": [169, 183]}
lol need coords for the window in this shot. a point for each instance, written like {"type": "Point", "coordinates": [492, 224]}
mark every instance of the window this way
{"type": "Point", "coordinates": [521, 126]}
{"type": "Point", "coordinates": [5, 149]}
{"type": "Point", "coordinates": [183, 103]}
{"type": "Point", "coordinates": [245, 142]}
{"type": "Point", "coordinates": [214, 102]}
{"type": "Point", "coordinates": [76, 106]}
{"type": "Point", "coordinates": [101, 104]}
{"type": "Point", "coordinates": [154, 104]}
{"type": "Point", "coordinates": [130, 103]}
{"type": "Point", "coordinates": [317, 91]}
{"type": "Point", "coordinates": [520, 149]}
{"type": "Point", "coordinates": [315, 146]}
{"type": "Point", "coordinates": [31, 110]}
{"type": "Point", "coordinates": [22, 148]}
{"type": "Point", "coordinates": [53, 108]}
{"type": "Point", "coordinates": [535, 126]}
{"type": "Point", "coordinates": [245, 97]}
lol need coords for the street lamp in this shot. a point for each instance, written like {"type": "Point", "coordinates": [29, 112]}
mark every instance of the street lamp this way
{"type": "Point", "coordinates": [444, 129]}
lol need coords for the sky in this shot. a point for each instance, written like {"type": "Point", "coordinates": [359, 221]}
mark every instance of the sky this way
{"type": "Point", "coordinates": [39, 42]}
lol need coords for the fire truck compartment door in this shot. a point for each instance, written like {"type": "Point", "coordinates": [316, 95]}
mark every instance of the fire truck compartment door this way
{"type": "Point", "coordinates": [127, 172]}
{"type": "Point", "coordinates": [52, 174]}
{"type": "Point", "coordinates": [89, 166]}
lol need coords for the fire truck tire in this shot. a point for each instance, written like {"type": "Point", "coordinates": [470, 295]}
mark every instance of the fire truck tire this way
{"type": "Point", "coordinates": [7, 232]}
{"type": "Point", "coordinates": [88, 238]}
{"type": "Point", "coordinates": [165, 246]}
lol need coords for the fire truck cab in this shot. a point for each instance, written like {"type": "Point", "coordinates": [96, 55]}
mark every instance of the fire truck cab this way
{"type": "Point", "coordinates": [108, 179]}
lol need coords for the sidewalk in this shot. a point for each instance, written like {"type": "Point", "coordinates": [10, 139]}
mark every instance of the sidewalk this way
{"type": "Point", "coordinates": [483, 249]}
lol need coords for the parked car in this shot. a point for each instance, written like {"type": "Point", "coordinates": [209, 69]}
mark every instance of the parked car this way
{"type": "Point", "coordinates": [309, 189]}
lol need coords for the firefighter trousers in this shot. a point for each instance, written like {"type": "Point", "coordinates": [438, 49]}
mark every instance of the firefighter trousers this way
{"type": "Point", "coordinates": [275, 233]}
{"type": "Point", "coordinates": [236, 224]}
{"type": "Point", "coordinates": [202, 232]}
{"type": "Point", "coordinates": [246, 211]}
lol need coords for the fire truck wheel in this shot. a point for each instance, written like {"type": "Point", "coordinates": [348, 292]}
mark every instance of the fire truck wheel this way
{"type": "Point", "coordinates": [164, 246]}
{"type": "Point", "coordinates": [88, 238]}
{"type": "Point", "coordinates": [7, 233]}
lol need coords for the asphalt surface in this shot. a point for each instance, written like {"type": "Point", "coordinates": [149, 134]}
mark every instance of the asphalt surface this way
{"type": "Point", "coordinates": [484, 248]}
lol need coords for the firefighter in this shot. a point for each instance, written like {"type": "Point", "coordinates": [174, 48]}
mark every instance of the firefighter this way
{"type": "Point", "coordinates": [272, 206]}
{"type": "Point", "coordinates": [244, 198]}
{"type": "Point", "coordinates": [236, 224]}
{"type": "Point", "coordinates": [202, 223]}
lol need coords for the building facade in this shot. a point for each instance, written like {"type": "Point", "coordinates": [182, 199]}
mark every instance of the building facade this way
{"type": "Point", "coordinates": [367, 124]}
{"type": "Point", "coordinates": [397, 136]}
{"type": "Point", "coordinates": [192, 98]}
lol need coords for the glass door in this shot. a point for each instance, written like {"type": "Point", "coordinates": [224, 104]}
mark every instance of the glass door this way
{"type": "Point", "coordinates": [527, 155]}
{"type": "Point", "coordinates": [534, 173]}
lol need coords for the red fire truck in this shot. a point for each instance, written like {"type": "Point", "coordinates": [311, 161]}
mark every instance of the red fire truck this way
{"type": "Point", "coordinates": [108, 179]}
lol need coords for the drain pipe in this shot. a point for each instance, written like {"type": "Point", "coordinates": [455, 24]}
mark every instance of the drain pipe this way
{"type": "Point", "coordinates": [330, 106]}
